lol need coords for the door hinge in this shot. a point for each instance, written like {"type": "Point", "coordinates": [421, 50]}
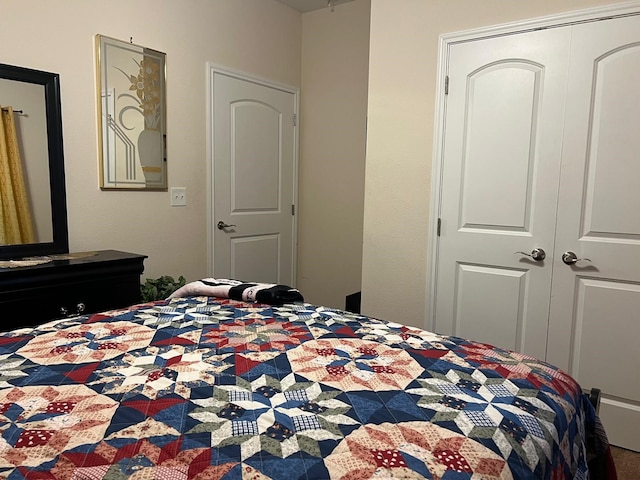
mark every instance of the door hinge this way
{"type": "Point", "coordinates": [293, 209]}
{"type": "Point", "coordinates": [294, 119]}
{"type": "Point", "coordinates": [438, 227]}
{"type": "Point", "coordinates": [446, 85]}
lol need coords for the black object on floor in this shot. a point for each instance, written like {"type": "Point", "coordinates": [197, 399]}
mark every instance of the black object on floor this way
{"type": "Point", "coordinates": [352, 302]}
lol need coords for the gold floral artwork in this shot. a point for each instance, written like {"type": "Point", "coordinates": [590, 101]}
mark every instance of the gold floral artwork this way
{"type": "Point", "coordinates": [146, 85]}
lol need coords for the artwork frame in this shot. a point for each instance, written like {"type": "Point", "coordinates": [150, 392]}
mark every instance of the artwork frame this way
{"type": "Point", "coordinates": [131, 104]}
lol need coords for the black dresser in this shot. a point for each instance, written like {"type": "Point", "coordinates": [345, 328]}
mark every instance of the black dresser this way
{"type": "Point", "coordinates": [80, 283]}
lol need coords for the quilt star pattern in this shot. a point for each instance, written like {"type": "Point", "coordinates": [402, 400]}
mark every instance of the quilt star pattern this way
{"type": "Point", "coordinates": [210, 388]}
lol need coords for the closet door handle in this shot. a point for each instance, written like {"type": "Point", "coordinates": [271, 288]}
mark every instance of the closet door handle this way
{"type": "Point", "coordinates": [570, 258]}
{"type": "Point", "coordinates": [537, 254]}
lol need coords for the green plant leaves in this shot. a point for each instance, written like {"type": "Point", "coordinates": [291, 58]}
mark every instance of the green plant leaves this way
{"type": "Point", "coordinates": [160, 288]}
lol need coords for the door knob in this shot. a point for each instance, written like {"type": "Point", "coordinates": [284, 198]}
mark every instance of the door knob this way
{"type": "Point", "coordinates": [570, 258]}
{"type": "Point", "coordinates": [221, 225]}
{"type": "Point", "coordinates": [537, 254]}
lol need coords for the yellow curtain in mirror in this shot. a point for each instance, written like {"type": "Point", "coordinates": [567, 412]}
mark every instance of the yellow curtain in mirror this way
{"type": "Point", "coordinates": [16, 226]}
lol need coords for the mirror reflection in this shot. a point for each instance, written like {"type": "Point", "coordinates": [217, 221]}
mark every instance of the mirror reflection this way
{"type": "Point", "coordinates": [25, 195]}
{"type": "Point", "coordinates": [131, 87]}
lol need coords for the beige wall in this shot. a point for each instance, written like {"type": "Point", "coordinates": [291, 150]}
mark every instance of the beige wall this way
{"type": "Point", "coordinates": [402, 80]}
{"type": "Point", "coordinates": [260, 37]}
{"type": "Point", "coordinates": [335, 57]}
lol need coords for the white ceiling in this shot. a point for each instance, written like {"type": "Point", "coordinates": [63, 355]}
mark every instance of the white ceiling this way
{"type": "Point", "coordinates": [309, 5]}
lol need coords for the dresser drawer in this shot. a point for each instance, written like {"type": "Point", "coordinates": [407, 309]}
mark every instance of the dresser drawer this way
{"type": "Point", "coordinates": [105, 280]}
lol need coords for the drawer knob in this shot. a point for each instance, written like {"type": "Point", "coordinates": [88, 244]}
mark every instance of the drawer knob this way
{"type": "Point", "coordinates": [80, 308]}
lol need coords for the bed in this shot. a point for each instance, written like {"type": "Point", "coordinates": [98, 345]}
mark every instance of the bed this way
{"type": "Point", "coordinates": [212, 387]}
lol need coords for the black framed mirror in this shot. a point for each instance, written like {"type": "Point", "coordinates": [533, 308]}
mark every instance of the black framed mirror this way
{"type": "Point", "coordinates": [41, 91]}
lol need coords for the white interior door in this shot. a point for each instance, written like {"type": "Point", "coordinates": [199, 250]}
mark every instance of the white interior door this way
{"type": "Point", "coordinates": [595, 306]}
{"type": "Point", "coordinates": [254, 180]}
{"type": "Point", "coordinates": [502, 147]}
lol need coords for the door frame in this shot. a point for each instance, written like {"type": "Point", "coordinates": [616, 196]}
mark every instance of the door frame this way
{"type": "Point", "coordinates": [212, 70]}
{"type": "Point", "coordinates": [445, 41]}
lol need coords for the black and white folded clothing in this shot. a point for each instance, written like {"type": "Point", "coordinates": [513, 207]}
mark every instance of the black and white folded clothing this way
{"type": "Point", "coordinates": [267, 293]}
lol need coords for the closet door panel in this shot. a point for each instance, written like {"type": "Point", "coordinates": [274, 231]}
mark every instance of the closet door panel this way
{"type": "Point", "coordinates": [594, 301]}
{"type": "Point", "coordinates": [612, 157]}
{"type": "Point", "coordinates": [501, 163]}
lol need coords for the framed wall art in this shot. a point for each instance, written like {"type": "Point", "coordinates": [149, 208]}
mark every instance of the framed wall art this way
{"type": "Point", "coordinates": [131, 115]}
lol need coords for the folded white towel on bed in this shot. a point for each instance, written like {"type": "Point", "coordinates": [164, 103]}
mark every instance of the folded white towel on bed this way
{"type": "Point", "coordinates": [269, 293]}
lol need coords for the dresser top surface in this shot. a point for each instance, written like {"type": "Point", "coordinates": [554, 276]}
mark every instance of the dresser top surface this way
{"type": "Point", "coordinates": [31, 265]}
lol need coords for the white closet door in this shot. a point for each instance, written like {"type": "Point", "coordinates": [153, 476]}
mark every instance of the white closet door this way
{"type": "Point", "coordinates": [502, 148]}
{"type": "Point", "coordinates": [595, 306]}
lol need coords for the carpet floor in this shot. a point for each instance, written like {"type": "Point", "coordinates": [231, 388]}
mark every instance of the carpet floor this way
{"type": "Point", "coordinates": [627, 463]}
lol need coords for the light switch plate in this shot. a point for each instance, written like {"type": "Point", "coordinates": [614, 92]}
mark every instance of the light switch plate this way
{"type": "Point", "coordinates": [178, 196]}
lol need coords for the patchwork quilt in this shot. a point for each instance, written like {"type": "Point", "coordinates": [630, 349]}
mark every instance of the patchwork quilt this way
{"type": "Point", "coordinates": [211, 388]}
